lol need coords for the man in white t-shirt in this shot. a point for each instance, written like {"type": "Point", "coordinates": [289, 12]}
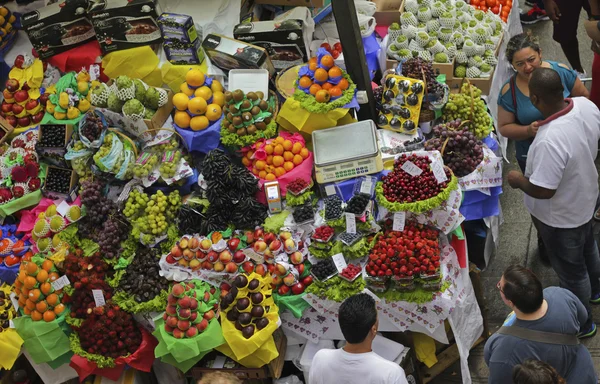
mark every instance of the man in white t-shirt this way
{"type": "Point", "coordinates": [355, 363]}
{"type": "Point", "coordinates": [561, 186]}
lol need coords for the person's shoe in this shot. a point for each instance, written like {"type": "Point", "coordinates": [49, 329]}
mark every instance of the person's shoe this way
{"type": "Point", "coordinates": [534, 15]}
{"type": "Point", "coordinates": [583, 76]}
{"type": "Point", "coordinates": [595, 299]}
{"type": "Point", "coordinates": [591, 332]}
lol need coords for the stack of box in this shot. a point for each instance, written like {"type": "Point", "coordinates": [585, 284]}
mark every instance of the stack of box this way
{"type": "Point", "coordinates": [182, 44]}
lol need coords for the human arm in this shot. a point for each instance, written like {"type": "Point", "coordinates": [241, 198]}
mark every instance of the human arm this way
{"type": "Point", "coordinates": [507, 121]}
{"type": "Point", "coordinates": [552, 10]}
{"type": "Point", "coordinates": [582, 314]}
{"type": "Point", "coordinates": [579, 89]}
{"type": "Point", "coordinates": [572, 80]}
{"type": "Point", "coordinates": [518, 181]}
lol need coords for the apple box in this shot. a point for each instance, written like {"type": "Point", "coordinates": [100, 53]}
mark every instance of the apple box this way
{"type": "Point", "coordinates": [5, 130]}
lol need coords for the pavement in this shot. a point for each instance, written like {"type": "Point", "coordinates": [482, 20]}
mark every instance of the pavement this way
{"type": "Point", "coordinates": [518, 237]}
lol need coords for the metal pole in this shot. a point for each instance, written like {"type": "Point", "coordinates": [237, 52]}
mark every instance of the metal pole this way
{"type": "Point", "coordinates": [344, 12]}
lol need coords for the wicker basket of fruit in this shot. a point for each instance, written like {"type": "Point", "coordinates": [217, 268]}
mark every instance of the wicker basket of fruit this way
{"type": "Point", "coordinates": [414, 186]}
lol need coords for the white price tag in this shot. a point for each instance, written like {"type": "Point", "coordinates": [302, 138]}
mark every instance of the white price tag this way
{"type": "Point", "coordinates": [374, 296]}
{"type": "Point", "coordinates": [339, 261]}
{"type": "Point", "coordinates": [365, 186]}
{"type": "Point", "coordinates": [313, 260]}
{"type": "Point", "coordinates": [438, 171]}
{"type": "Point", "coordinates": [411, 168]}
{"type": "Point", "coordinates": [62, 208]}
{"type": "Point", "coordinates": [11, 324]}
{"type": "Point", "coordinates": [98, 297]}
{"type": "Point", "coordinates": [258, 259]}
{"type": "Point", "coordinates": [14, 300]}
{"type": "Point", "coordinates": [350, 223]}
{"type": "Point", "coordinates": [59, 283]}
{"type": "Point", "coordinates": [399, 220]}
{"type": "Point", "coordinates": [219, 362]}
{"type": "Point", "coordinates": [330, 190]}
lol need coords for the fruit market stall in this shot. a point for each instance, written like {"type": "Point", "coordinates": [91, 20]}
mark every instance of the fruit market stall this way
{"type": "Point", "coordinates": [196, 216]}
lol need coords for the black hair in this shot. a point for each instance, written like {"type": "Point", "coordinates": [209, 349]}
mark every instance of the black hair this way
{"type": "Point", "coordinates": [545, 83]}
{"type": "Point", "coordinates": [521, 41]}
{"type": "Point", "coordinates": [357, 315]}
{"type": "Point", "coordinates": [536, 372]}
{"type": "Point", "coordinates": [523, 288]}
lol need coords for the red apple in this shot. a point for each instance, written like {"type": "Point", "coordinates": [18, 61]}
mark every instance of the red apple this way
{"type": "Point", "coordinates": [12, 121]}
{"type": "Point", "coordinates": [297, 288]}
{"type": "Point", "coordinates": [8, 95]}
{"type": "Point", "coordinates": [24, 121]}
{"type": "Point", "coordinates": [17, 108]}
{"type": "Point", "coordinates": [260, 246]}
{"type": "Point", "coordinates": [260, 269]}
{"type": "Point", "coordinates": [6, 107]}
{"type": "Point", "coordinates": [239, 257]}
{"type": "Point", "coordinates": [21, 96]}
{"type": "Point", "coordinates": [283, 290]}
{"type": "Point", "coordinates": [269, 237]}
{"type": "Point", "coordinates": [233, 244]}
{"type": "Point", "coordinates": [258, 233]}
{"type": "Point", "coordinates": [289, 279]}
{"type": "Point", "coordinates": [191, 332]}
{"type": "Point", "coordinates": [249, 237]}
{"type": "Point", "coordinates": [25, 86]}
{"type": "Point", "coordinates": [308, 280]}
{"type": "Point", "coordinates": [248, 267]}
{"type": "Point", "coordinates": [12, 85]}
{"type": "Point", "coordinates": [212, 256]}
{"type": "Point", "coordinates": [170, 259]}
{"type": "Point", "coordinates": [19, 61]}
{"type": "Point", "coordinates": [44, 99]}
{"type": "Point", "coordinates": [178, 333]}
{"type": "Point", "coordinates": [38, 117]}
{"type": "Point", "coordinates": [209, 315]}
{"type": "Point", "coordinates": [299, 268]}
{"type": "Point", "coordinates": [225, 286]}
{"type": "Point", "coordinates": [207, 265]}
{"type": "Point", "coordinates": [231, 267]}
{"type": "Point", "coordinates": [31, 104]}
{"type": "Point", "coordinates": [225, 256]}
{"type": "Point", "coordinates": [297, 258]}
{"type": "Point", "coordinates": [171, 321]}
{"type": "Point", "coordinates": [176, 252]}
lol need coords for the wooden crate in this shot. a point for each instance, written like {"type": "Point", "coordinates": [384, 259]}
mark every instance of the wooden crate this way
{"type": "Point", "coordinates": [388, 11]}
{"type": "Point", "coordinates": [6, 129]}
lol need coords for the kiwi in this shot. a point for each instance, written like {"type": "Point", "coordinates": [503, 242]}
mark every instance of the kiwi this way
{"type": "Point", "coordinates": [246, 105]}
{"type": "Point", "coordinates": [251, 96]}
{"type": "Point", "coordinates": [234, 110]}
{"type": "Point", "coordinates": [267, 120]}
{"type": "Point", "coordinates": [229, 117]}
{"type": "Point", "coordinates": [242, 132]}
{"type": "Point", "coordinates": [260, 94]}
{"type": "Point", "coordinates": [231, 128]}
{"type": "Point", "coordinates": [238, 95]}
{"type": "Point", "coordinates": [263, 105]}
{"type": "Point", "coordinates": [255, 111]}
{"type": "Point", "coordinates": [228, 96]}
{"type": "Point", "coordinates": [247, 116]}
{"type": "Point", "coordinates": [237, 121]}
{"type": "Point", "coordinates": [251, 129]}
{"type": "Point", "coordinates": [261, 126]}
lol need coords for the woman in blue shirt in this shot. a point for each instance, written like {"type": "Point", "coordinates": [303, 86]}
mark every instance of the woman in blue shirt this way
{"type": "Point", "coordinates": [517, 117]}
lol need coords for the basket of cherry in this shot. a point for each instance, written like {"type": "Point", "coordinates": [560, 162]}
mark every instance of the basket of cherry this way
{"type": "Point", "coordinates": [351, 272]}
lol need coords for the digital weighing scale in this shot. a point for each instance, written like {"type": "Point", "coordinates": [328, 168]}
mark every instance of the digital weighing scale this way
{"type": "Point", "coordinates": [345, 152]}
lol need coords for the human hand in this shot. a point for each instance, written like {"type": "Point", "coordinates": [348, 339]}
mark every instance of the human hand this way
{"type": "Point", "coordinates": [514, 179]}
{"type": "Point", "coordinates": [552, 10]}
{"type": "Point", "coordinates": [532, 129]}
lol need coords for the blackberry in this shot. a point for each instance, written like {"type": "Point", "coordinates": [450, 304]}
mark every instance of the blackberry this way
{"type": "Point", "coordinates": [324, 269]}
{"type": "Point", "coordinates": [358, 203]}
{"type": "Point", "coordinates": [303, 213]}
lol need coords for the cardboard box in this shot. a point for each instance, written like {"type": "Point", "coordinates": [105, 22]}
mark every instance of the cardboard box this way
{"type": "Point", "coordinates": [71, 195]}
{"type": "Point", "coordinates": [178, 27]}
{"type": "Point", "coordinates": [124, 24]}
{"type": "Point", "coordinates": [5, 130]}
{"type": "Point", "coordinates": [55, 155]}
{"type": "Point", "coordinates": [184, 53]}
{"type": "Point", "coordinates": [388, 5]}
{"type": "Point", "coordinates": [162, 114]}
{"type": "Point", "coordinates": [58, 27]}
{"type": "Point", "coordinates": [384, 15]}
{"type": "Point", "coordinates": [227, 54]}
{"type": "Point", "coordinates": [294, 3]}
{"type": "Point", "coordinates": [485, 84]}
{"type": "Point", "coordinates": [445, 69]}
{"type": "Point", "coordinates": [283, 40]}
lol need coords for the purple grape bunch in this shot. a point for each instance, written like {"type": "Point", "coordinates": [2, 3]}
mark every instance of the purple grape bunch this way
{"type": "Point", "coordinates": [92, 127]}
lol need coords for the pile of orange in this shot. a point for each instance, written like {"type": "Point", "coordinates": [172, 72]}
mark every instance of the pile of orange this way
{"type": "Point", "coordinates": [319, 85]}
{"type": "Point", "coordinates": [192, 108]}
{"type": "Point", "coordinates": [282, 157]}
{"type": "Point", "coordinates": [499, 7]}
{"type": "Point", "coordinates": [37, 297]}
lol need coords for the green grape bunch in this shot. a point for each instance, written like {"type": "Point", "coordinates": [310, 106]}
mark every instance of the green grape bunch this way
{"type": "Point", "coordinates": [459, 107]}
{"type": "Point", "coordinates": [150, 215]}
{"type": "Point", "coordinates": [145, 164]}
{"type": "Point", "coordinates": [168, 167]}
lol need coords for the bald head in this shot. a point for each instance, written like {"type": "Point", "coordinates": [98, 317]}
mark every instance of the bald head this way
{"type": "Point", "coordinates": [546, 85]}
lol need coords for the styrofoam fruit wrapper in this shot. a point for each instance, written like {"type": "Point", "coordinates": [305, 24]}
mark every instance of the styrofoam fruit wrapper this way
{"type": "Point", "coordinates": [44, 230]}
{"type": "Point", "coordinates": [74, 214]}
{"type": "Point", "coordinates": [393, 54]}
{"type": "Point", "coordinates": [478, 38]}
{"type": "Point", "coordinates": [393, 35]}
{"type": "Point", "coordinates": [409, 18]}
{"type": "Point", "coordinates": [412, 6]}
{"type": "Point", "coordinates": [491, 61]}
{"type": "Point", "coordinates": [125, 94]}
{"type": "Point", "coordinates": [433, 25]}
{"type": "Point", "coordinates": [410, 31]}
{"type": "Point", "coordinates": [461, 57]}
{"type": "Point", "coordinates": [163, 97]}
{"type": "Point", "coordinates": [473, 72]}
{"type": "Point", "coordinates": [479, 49]}
{"type": "Point", "coordinates": [57, 223]}
{"type": "Point", "coordinates": [437, 48]}
{"type": "Point", "coordinates": [422, 42]}
{"type": "Point", "coordinates": [9, 246]}
{"type": "Point", "coordinates": [437, 9]}
{"type": "Point", "coordinates": [425, 55]}
{"type": "Point", "coordinates": [40, 244]}
{"type": "Point", "coordinates": [485, 74]}
{"type": "Point", "coordinates": [424, 15]}
{"type": "Point", "coordinates": [135, 116]}
{"type": "Point", "coordinates": [402, 45]}
{"type": "Point", "coordinates": [102, 98]}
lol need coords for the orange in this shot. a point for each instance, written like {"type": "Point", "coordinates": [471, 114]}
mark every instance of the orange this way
{"type": "Point", "coordinates": [195, 78]}
{"type": "Point", "coordinates": [186, 90]}
{"type": "Point", "coordinates": [270, 159]}
{"type": "Point", "coordinates": [46, 288]}
{"type": "Point", "coordinates": [327, 61]}
{"type": "Point", "coordinates": [27, 311]}
{"type": "Point", "coordinates": [260, 165]}
{"type": "Point", "coordinates": [35, 295]}
{"type": "Point", "coordinates": [246, 162]}
{"type": "Point", "coordinates": [305, 82]}
{"type": "Point", "coordinates": [304, 153]}
{"type": "Point", "coordinates": [288, 166]}
{"type": "Point", "coordinates": [270, 169]}
{"type": "Point", "coordinates": [36, 316]}
{"type": "Point", "coordinates": [41, 307]}
{"type": "Point", "coordinates": [30, 305]}
{"type": "Point", "coordinates": [49, 316]}
{"type": "Point", "coordinates": [219, 98]}
{"type": "Point", "coordinates": [22, 275]}
{"type": "Point", "coordinates": [213, 112]}
{"type": "Point", "coordinates": [216, 86]}
{"type": "Point", "coordinates": [204, 92]}
{"type": "Point", "coordinates": [42, 276]}
{"type": "Point", "coordinates": [182, 119]}
{"type": "Point", "coordinates": [47, 265]}
{"type": "Point", "coordinates": [287, 145]}
{"type": "Point", "coordinates": [269, 149]}
{"type": "Point", "coordinates": [60, 308]}
{"type": "Point", "coordinates": [279, 140]}
{"type": "Point", "coordinates": [335, 92]}
{"type": "Point", "coordinates": [25, 292]}
{"type": "Point", "coordinates": [249, 154]}
{"type": "Point", "coordinates": [262, 174]}
{"type": "Point", "coordinates": [312, 60]}
{"type": "Point", "coordinates": [199, 123]}
{"type": "Point", "coordinates": [327, 86]}
{"type": "Point", "coordinates": [197, 106]}
{"type": "Point", "coordinates": [298, 160]}
{"type": "Point", "coordinates": [30, 282]}
{"type": "Point", "coordinates": [321, 75]}
{"type": "Point", "coordinates": [313, 65]}
{"type": "Point", "coordinates": [322, 96]}
{"type": "Point", "coordinates": [314, 89]}
{"type": "Point", "coordinates": [180, 101]}
{"type": "Point", "coordinates": [255, 171]}
{"type": "Point", "coordinates": [278, 161]}
{"type": "Point", "coordinates": [297, 148]}
{"type": "Point", "coordinates": [31, 268]}
{"type": "Point", "coordinates": [52, 299]}
{"type": "Point", "coordinates": [343, 84]}
{"type": "Point", "coordinates": [53, 276]}
{"type": "Point", "coordinates": [278, 149]}
{"type": "Point", "coordinates": [22, 301]}
{"type": "Point", "coordinates": [335, 72]}
{"type": "Point", "coordinates": [28, 255]}
{"type": "Point", "coordinates": [288, 156]}
{"type": "Point", "coordinates": [279, 171]}
{"type": "Point", "coordinates": [270, 177]}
